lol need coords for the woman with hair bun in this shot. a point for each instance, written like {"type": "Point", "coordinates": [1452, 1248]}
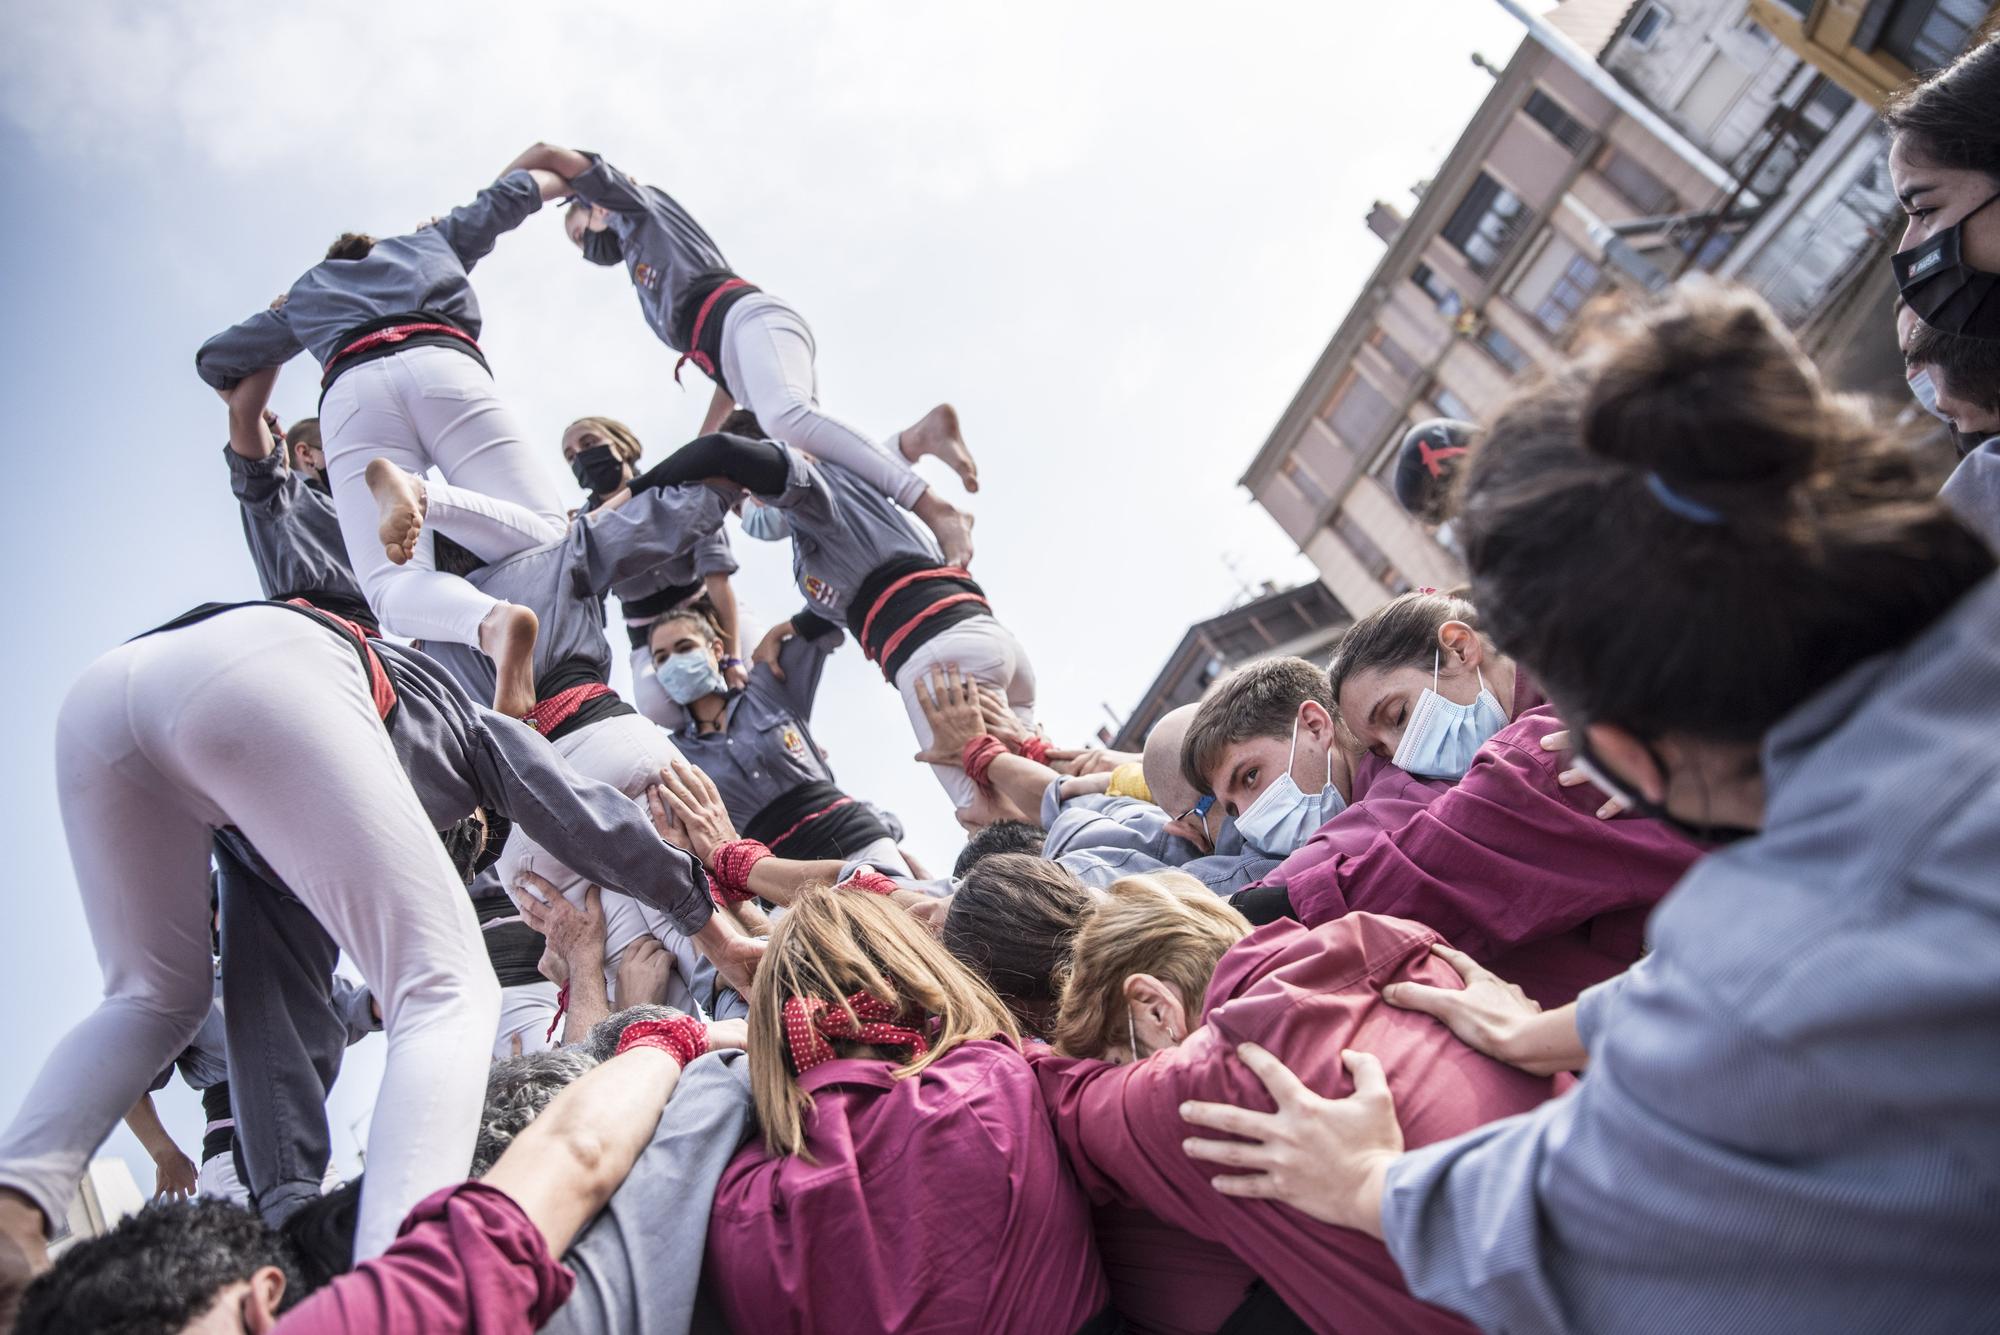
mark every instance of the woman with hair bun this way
{"type": "Point", "coordinates": [1760, 624]}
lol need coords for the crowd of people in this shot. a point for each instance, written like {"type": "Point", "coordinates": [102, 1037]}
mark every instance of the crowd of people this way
{"type": "Point", "coordinates": [1604, 946]}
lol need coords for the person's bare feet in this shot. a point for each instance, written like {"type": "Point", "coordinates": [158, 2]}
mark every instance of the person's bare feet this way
{"type": "Point", "coordinates": [951, 526]}
{"type": "Point", "coordinates": [508, 637]}
{"type": "Point", "coordinates": [399, 500]}
{"type": "Point", "coordinates": [937, 434]}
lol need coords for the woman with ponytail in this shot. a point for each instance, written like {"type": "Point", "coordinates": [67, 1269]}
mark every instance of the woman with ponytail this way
{"type": "Point", "coordinates": [1761, 623]}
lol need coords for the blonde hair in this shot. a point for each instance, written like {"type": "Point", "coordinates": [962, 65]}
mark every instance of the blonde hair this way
{"type": "Point", "coordinates": [624, 443]}
{"type": "Point", "coordinates": [1166, 924]}
{"type": "Point", "coordinates": [831, 944]}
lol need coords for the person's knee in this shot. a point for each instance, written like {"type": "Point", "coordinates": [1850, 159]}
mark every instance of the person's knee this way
{"type": "Point", "coordinates": [454, 993]}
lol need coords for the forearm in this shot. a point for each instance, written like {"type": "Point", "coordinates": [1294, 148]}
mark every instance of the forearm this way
{"type": "Point", "coordinates": [249, 435]}
{"type": "Point", "coordinates": [564, 162]}
{"type": "Point", "coordinates": [588, 1001]}
{"type": "Point", "coordinates": [1545, 1044]}
{"type": "Point", "coordinates": [722, 597]}
{"type": "Point", "coordinates": [1021, 780]}
{"type": "Point", "coordinates": [758, 465]}
{"type": "Point", "coordinates": [783, 880]}
{"type": "Point", "coordinates": [552, 185]}
{"type": "Point", "coordinates": [144, 1121]}
{"type": "Point", "coordinates": [566, 1163]}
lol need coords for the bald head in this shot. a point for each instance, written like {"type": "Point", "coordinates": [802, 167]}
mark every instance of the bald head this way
{"type": "Point", "coordinates": [1162, 763]}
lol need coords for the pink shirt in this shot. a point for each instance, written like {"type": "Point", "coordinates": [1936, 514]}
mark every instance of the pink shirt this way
{"type": "Point", "coordinates": [939, 1202]}
{"type": "Point", "coordinates": [467, 1262]}
{"type": "Point", "coordinates": [1305, 995]}
{"type": "Point", "coordinates": [1511, 867]}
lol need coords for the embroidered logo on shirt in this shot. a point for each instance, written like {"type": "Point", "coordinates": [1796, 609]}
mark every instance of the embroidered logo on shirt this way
{"type": "Point", "coordinates": [794, 742]}
{"type": "Point", "coordinates": [820, 591]}
{"type": "Point", "coordinates": [645, 275]}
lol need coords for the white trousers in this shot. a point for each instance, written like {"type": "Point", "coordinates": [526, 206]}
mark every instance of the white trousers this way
{"type": "Point", "coordinates": [767, 358]}
{"type": "Point", "coordinates": [427, 406]}
{"type": "Point", "coordinates": [170, 737]}
{"type": "Point", "coordinates": [628, 753]}
{"type": "Point", "coordinates": [525, 1012]}
{"type": "Point", "coordinates": [490, 528]}
{"type": "Point", "coordinates": [985, 651]}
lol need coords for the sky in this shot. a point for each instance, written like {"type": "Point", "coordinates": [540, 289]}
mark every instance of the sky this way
{"type": "Point", "coordinates": [1114, 235]}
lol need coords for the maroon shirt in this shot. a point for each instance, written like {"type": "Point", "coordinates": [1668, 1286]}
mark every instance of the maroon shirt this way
{"type": "Point", "coordinates": [1511, 867]}
{"type": "Point", "coordinates": [466, 1261]}
{"type": "Point", "coordinates": [937, 1202]}
{"type": "Point", "coordinates": [1304, 995]}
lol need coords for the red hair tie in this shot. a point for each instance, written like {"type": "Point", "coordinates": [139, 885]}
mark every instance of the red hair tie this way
{"type": "Point", "coordinates": [810, 1022]}
{"type": "Point", "coordinates": [1035, 749]}
{"type": "Point", "coordinates": [980, 753]}
{"type": "Point", "coordinates": [683, 1037]}
{"type": "Point", "coordinates": [868, 881]}
{"type": "Point", "coordinates": [733, 861]}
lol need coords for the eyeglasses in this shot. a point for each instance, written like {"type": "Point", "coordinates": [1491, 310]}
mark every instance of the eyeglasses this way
{"type": "Point", "coordinates": [1200, 812]}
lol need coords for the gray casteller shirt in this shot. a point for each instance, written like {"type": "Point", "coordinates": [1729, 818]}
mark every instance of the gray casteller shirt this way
{"type": "Point", "coordinates": [424, 270]}
{"type": "Point", "coordinates": [1791, 1120]}
{"type": "Point", "coordinates": [1101, 839]}
{"type": "Point", "coordinates": [292, 532]}
{"type": "Point", "coordinates": [1973, 490]}
{"type": "Point", "coordinates": [767, 748]}
{"type": "Point", "coordinates": [842, 529]}
{"type": "Point", "coordinates": [664, 248]}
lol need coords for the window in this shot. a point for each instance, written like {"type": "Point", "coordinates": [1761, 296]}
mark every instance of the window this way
{"type": "Point", "coordinates": [1648, 193]}
{"type": "Point", "coordinates": [1579, 279]}
{"type": "Point", "coordinates": [1301, 477]}
{"type": "Point", "coordinates": [1393, 353]}
{"type": "Point", "coordinates": [1926, 34]}
{"type": "Point", "coordinates": [1548, 113]}
{"type": "Point", "coordinates": [1646, 24]}
{"type": "Point", "coordinates": [1372, 558]}
{"type": "Point", "coordinates": [1504, 350]}
{"type": "Point", "coordinates": [1442, 294]}
{"type": "Point", "coordinates": [1489, 220]}
{"type": "Point", "coordinates": [1359, 414]}
{"type": "Point", "coordinates": [1450, 405]}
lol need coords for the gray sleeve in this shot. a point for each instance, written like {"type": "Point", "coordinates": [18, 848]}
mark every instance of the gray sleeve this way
{"type": "Point", "coordinates": [713, 556]}
{"type": "Point", "coordinates": [257, 344]}
{"type": "Point", "coordinates": [1099, 820]}
{"type": "Point", "coordinates": [653, 529]}
{"type": "Point", "coordinates": [1973, 491]}
{"type": "Point", "coordinates": [590, 827]}
{"type": "Point", "coordinates": [806, 491]}
{"type": "Point", "coordinates": [471, 229]}
{"type": "Point", "coordinates": [608, 188]}
{"type": "Point", "coordinates": [1595, 1002]}
{"type": "Point", "coordinates": [264, 485]}
{"type": "Point", "coordinates": [353, 1003]}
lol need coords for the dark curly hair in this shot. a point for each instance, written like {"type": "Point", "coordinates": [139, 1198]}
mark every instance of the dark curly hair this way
{"type": "Point", "coordinates": [155, 1272]}
{"type": "Point", "coordinates": [517, 1089]}
{"type": "Point", "coordinates": [1002, 836]}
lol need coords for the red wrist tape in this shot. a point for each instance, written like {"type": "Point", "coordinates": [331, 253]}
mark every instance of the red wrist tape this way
{"type": "Point", "coordinates": [1035, 749]}
{"type": "Point", "coordinates": [869, 882]}
{"type": "Point", "coordinates": [683, 1038]}
{"type": "Point", "coordinates": [730, 881]}
{"type": "Point", "coordinates": [980, 753]}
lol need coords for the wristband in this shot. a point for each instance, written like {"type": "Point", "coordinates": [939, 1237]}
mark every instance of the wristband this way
{"type": "Point", "coordinates": [979, 755]}
{"type": "Point", "coordinates": [1034, 748]}
{"type": "Point", "coordinates": [683, 1038]}
{"type": "Point", "coordinates": [730, 880]}
{"type": "Point", "coordinates": [729, 663]}
{"type": "Point", "coordinates": [869, 882]}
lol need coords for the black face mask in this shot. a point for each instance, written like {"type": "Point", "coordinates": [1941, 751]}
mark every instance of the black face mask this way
{"type": "Point", "coordinates": [599, 469]}
{"type": "Point", "coordinates": [1707, 835]}
{"type": "Point", "coordinates": [602, 247]}
{"type": "Point", "coordinates": [1943, 290]}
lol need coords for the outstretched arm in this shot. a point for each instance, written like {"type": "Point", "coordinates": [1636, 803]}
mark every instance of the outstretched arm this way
{"type": "Point", "coordinates": [951, 706]}
{"type": "Point", "coordinates": [174, 1174]}
{"type": "Point", "coordinates": [249, 433]}
{"type": "Point", "coordinates": [544, 156]}
{"type": "Point", "coordinates": [720, 405]}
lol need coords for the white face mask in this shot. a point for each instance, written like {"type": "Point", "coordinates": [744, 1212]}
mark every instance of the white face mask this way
{"type": "Point", "coordinates": [1443, 736]}
{"type": "Point", "coordinates": [1924, 388]}
{"type": "Point", "coordinates": [1283, 816]}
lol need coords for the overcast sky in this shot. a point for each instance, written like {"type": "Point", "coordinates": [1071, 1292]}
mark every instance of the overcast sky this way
{"type": "Point", "coordinates": [1114, 235]}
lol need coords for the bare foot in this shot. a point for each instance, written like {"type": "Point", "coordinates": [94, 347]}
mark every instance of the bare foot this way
{"type": "Point", "coordinates": [950, 525]}
{"type": "Point", "coordinates": [936, 434]}
{"type": "Point", "coordinates": [399, 499]}
{"type": "Point", "coordinates": [508, 637]}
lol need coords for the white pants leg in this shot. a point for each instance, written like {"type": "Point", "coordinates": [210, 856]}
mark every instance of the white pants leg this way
{"type": "Point", "coordinates": [488, 527]}
{"type": "Point", "coordinates": [217, 1180]}
{"type": "Point", "coordinates": [525, 1012]}
{"type": "Point", "coordinates": [628, 753]}
{"type": "Point", "coordinates": [985, 651]}
{"type": "Point", "coordinates": [428, 406]}
{"type": "Point", "coordinates": [171, 736]}
{"type": "Point", "coordinates": [767, 358]}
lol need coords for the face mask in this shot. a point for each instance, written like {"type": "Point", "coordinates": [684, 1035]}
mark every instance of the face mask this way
{"type": "Point", "coordinates": [1283, 817]}
{"type": "Point", "coordinates": [1945, 292]}
{"type": "Point", "coordinates": [1924, 389]}
{"type": "Point", "coordinates": [598, 468]}
{"type": "Point", "coordinates": [689, 675]}
{"type": "Point", "coordinates": [602, 247]}
{"type": "Point", "coordinates": [1587, 761]}
{"type": "Point", "coordinates": [766, 523]}
{"type": "Point", "coordinates": [1442, 737]}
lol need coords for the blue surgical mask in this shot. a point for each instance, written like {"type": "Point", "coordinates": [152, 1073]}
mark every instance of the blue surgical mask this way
{"type": "Point", "coordinates": [1283, 816]}
{"type": "Point", "coordinates": [1443, 736]}
{"type": "Point", "coordinates": [1924, 387]}
{"type": "Point", "coordinates": [689, 675]}
{"type": "Point", "coordinates": [766, 523]}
